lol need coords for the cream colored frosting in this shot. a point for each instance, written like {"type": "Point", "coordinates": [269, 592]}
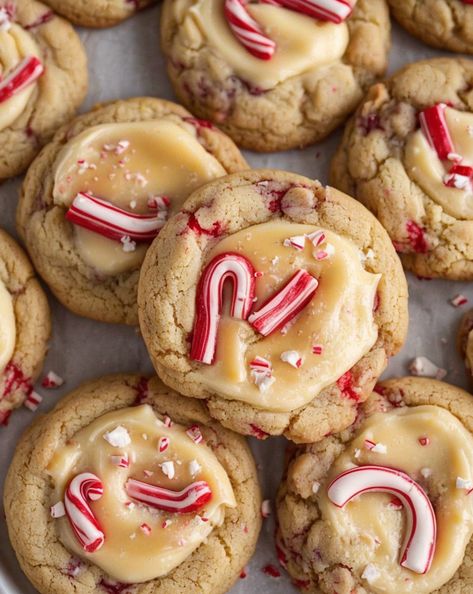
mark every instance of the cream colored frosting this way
{"type": "Point", "coordinates": [303, 43]}
{"type": "Point", "coordinates": [370, 532]}
{"type": "Point", "coordinates": [425, 168]}
{"type": "Point", "coordinates": [128, 554]}
{"type": "Point", "coordinates": [161, 158]}
{"type": "Point", "coordinates": [339, 317]}
{"type": "Point", "coordinates": [15, 45]}
{"type": "Point", "coordinates": [7, 327]}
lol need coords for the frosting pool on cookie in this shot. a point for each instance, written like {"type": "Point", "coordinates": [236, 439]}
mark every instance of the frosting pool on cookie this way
{"type": "Point", "coordinates": [127, 164]}
{"type": "Point", "coordinates": [435, 450]}
{"type": "Point", "coordinates": [289, 366]}
{"type": "Point", "coordinates": [303, 43]}
{"type": "Point", "coordinates": [7, 327]}
{"type": "Point", "coordinates": [133, 446]}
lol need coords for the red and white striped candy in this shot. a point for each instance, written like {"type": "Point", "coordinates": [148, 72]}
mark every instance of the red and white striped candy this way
{"type": "Point", "coordinates": [286, 304]}
{"type": "Point", "coordinates": [228, 266]}
{"type": "Point", "coordinates": [26, 73]}
{"type": "Point", "coordinates": [33, 400]}
{"type": "Point", "coordinates": [419, 545]}
{"type": "Point", "coordinates": [247, 30]}
{"type": "Point", "coordinates": [459, 176]}
{"type": "Point", "coordinates": [195, 434]}
{"type": "Point", "coordinates": [335, 11]}
{"type": "Point", "coordinates": [83, 488]}
{"type": "Point", "coordinates": [163, 444]}
{"type": "Point", "coordinates": [190, 499]}
{"type": "Point", "coordinates": [434, 126]}
{"type": "Point", "coordinates": [101, 216]}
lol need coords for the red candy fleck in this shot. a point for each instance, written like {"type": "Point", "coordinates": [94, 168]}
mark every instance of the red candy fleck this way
{"type": "Point", "coordinates": [271, 570]}
{"type": "Point", "coordinates": [194, 225]}
{"type": "Point", "coordinates": [15, 380]}
{"type": "Point", "coordinates": [369, 123]}
{"type": "Point", "coordinates": [141, 391]}
{"type": "Point", "coordinates": [346, 386]}
{"type": "Point", "coordinates": [41, 20]}
{"type": "Point", "coordinates": [243, 573]}
{"type": "Point", "coordinates": [258, 432]}
{"type": "Point", "coordinates": [417, 237]}
{"type": "Point", "coordinates": [115, 587]}
{"type": "Point", "coordinates": [303, 584]}
{"type": "Point", "coordinates": [424, 441]}
{"type": "Point", "coordinates": [5, 417]}
{"type": "Point", "coordinates": [198, 123]}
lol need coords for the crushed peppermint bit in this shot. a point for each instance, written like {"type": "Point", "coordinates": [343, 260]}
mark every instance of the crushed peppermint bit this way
{"type": "Point", "coordinates": [195, 434]}
{"type": "Point", "coordinates": [33, 400]}
{"type": "Point", "coordinates": [146, 529]}
{"type": "Point", "coordinates": [317, 238]}
{"type": "Point", "coordinates": [52, 380]}
{"type": "Point", "coordinates": [194, 468]}
{"type": "Point", "coordinates": [167, 421]}
{"type": "Point", "coordinates": [326, 253]}
{"type": "Point", "coordinates": [144, 436]}
{"type": "Point", "coordinates": [132, 536]}
{"type": "Point", "coordinates": [293, 358]}
{"type": "Point", "coordinates": [118, 438]}
{"type": "Point", "coordinates": [357, 453]}
{"type": "Point", "coordinates": [379, 448]}
{"type": "Point", "coordinates": [262, 373]}
{"type": "Point", "coordinates": [271, 570]}
{"type": "Point", "coordinates": [370, 573]}
{"type": "Point", "coordinates": [58, 510]}
{"type": "Point", "coordinates": [166, 523]}
{"type": "Point", "coordinates": [424, 441]}
{"type": "Point", "coordinates": [128, 245]}
{"type": "Point", "coordinates": [297, 242]}
{"type": "Point", "coordinates": [426, 472]}
{"type": "Point", "coordinates": [459, 300]}
{"type": "Point", "coordinates": [423, 367]}
{"type": "Point", "coordinates": [315, 487]}
{"type": "Point", "coordinates": [464, 483]}
{"type": "Point", "coordinates": [266, 508]}
{"type": "Point", "coordinates": [148, 473]}
{"type": "Point", "coordinates": [130, 505]}
{"type": "Point", "coordinates": [120, 461]}
{"type": "Point", "coordinates": [395, 504]}
{"type": "Point", "coordinates": [275, 261]}
{"type": "Point", "coordinates": [168, 469]}
{"type": "Point", "coordinates": [163, 444]}
{"type": "Point", "coordinates": [317, 349]}
{"type": "Point", "coordinates": [243, 573]}
{"type": "Point", "coordinates": [133, 204]}
{"type": "Point", "coordinates": [5, 20]}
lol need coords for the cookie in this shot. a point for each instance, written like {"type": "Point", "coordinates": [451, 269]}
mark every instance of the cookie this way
{"type": "Point", "coordinates": [465, 340]}
{"type": "Point", "coordinates": [446, 24]}
{"type": "Point", "coordinates": [386, 505]}
{"type": "Point", "coordinates": [286, 352]}
{"type": "Point", "coordinates": [102, 189]}
{"type": "Point", "coordinates": [130, 487]}
{"type": "Point", "coordinates": [24, 327]}
{"type": "Point", "coordinates": [98, 13]}
{"type": "Point", "coordinates": [407, 155]}
{"type": "Point", "coordinates": [274, 75]}
{"type": "Point", "coordinates": [44, 80]}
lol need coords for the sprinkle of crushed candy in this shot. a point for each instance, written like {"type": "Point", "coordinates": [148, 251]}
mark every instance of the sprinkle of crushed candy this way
{"type": "Point", "coordinates": [315, 487]}
{"type": "Point", "coordinates": [423, 367]}
{"type": "Point", "coordinates": [33, 400]}
{"type": "Point", "coordinates": [271, 570]}
{"type": "Point", "coordinates": [266, 508]}
{"type": "Point", "coordinates": [297, 242]}
{"type": "Point", "coordinates": [462, 483]}
{"type": "Point", "coordinates": [195, 434]}
{"type": "Point", "coordinates": [58, 510]}
{"type": "Point", "coordinates": [120, 461]}
{"type": "Point", "coordinates": [163, 444]}
{"type": "Point", "coordinates": [52, 380]}
{"type": "Point", "coordinates": [262, 373]}
{"type": "Point", "coordinates": [459, 300]}
{"type": "Point", "coordinates": [128, 245]}
{"type": "Point", "coordinates": [168, 469]}
{"type": "Point", "coordinates": [146, 529]}
{"type": "Point", "coordinates": [194, 468]}
{"type": "Point", "coordinates": [118, 438]}
{"type": "Point", "coordinates": [426, 472]}
{"type": "Point", "coordinates": [424, 441]}
{"type": "Point", "coordinates": [317, 349]}
{"type": "Point", "coordinates": [293, 358]}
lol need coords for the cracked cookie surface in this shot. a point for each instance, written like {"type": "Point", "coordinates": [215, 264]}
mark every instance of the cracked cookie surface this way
{"type": "Point", "coordinates": [52, 240]}
{"type": "Point", "coordinates": [370, 164]}
{"type": "Point", "coordinates": [98, 13]}
{"type": "Point", "coordinates": [322, 559]}
{"type": "Point", "coordinates": [56, 94]}
{"type": "Point", "coordinates": [22, 297]}
{"type": "Point", "coordinates": [210, 569]}
{"type": "Point", "coordinates": [446, 24]}
{"type": "Point", "coordinates": [293, 110]}
{"type": "Point", "coordinates": [167, 300]}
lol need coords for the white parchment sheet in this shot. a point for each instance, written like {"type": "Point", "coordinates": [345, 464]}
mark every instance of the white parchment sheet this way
{"type": "Point", "coordinates": [126, 61]}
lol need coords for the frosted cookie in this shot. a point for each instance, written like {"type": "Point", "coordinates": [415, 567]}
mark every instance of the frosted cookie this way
{"type": "Point", "coordinates": [43, 80]}
{"type": "Point", "coordinates": [314, 305]}
{"type": "Point", "coordinates": [101, 191]}
{"type": "Point", "coordinates": [274, 75]}
{"type": "Point", "coordinates": [130, 487]}
{"type": "Point", "coordinates": [446, 24]}
{"type": "Point", "coordinates": [387, 505]}
{"type": "Point", "coordinates": [24, 327]}
{"type": "Point", "coordinates": [407, 155]}
{"type": "Point", "coordinates": [465, 340]}
{"type": "Point", "coordinates": [97, 13]}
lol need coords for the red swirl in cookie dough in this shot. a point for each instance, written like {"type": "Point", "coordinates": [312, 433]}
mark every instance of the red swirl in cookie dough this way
{"type": "Point", "coordinates": [26, 73]}
{"type": "Point", "coordinates": [419, 547]}
{"type": "Point", "coordinates": [83, 488]}
{"type": "Point", "coordinates": [188, 500]}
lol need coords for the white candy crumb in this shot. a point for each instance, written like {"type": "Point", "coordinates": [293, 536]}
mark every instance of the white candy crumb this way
{"type": "Point", "coordinates": [426, 472]}
{"type": "Point", "coordinates": [379, 448]}
{"type": "Point", "coordinates": [128, 245]}
{"type": "Point", "coordinates": [266, 508]}
{"type": "Point", "coordinates": [264, 382]}
{"type": "Point", "coordinates": [118, 438]}
{"type": "Point", "coordinates": [58, 510]}
{"type": "Point", "coordinates": [168, 469]}
{"type": "Point", "coordinates": [194, 468]}
{"type": "Point", "coordinates": [371, 573]}
{"type": "Point", "coordinates": [292, 357]}
{"type": "Point", "coordinates": [133, 204]}
{"type": "Point", "coordinates": [357, 453]}
{"type": "Point", "coordinates": [315, 487]}
{"type": "Point", "coordinates": [464, 483]}
{"type": "Point", "coordinates": [423, 367]}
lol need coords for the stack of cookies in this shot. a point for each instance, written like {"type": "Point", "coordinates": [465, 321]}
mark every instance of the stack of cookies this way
{"type": "Point", "coordinates": [270, 304]}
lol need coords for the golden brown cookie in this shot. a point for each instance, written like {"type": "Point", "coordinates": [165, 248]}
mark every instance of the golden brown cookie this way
{"type": "Point", "coordinates": [24, 326]}
{"type": "Point", "coordinates": [316, 302]}
{"type": "Point", "coordinates": [133, 468]}
{"type": "Point", "coordinates": [98, 13]}
{"type": "Point", "coordinates": [311, 79]}
{"type": "Point", "coordinates": [44, 70]}
{"type": "Point", "coordinates": [101, 190]}
{"type": "Point", "coordinates": [384, 506]}
{"type": "Point", "coordinates": [407, 155]}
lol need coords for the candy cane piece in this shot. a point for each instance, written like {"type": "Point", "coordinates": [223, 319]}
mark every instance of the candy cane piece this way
{"type": "Point", "coordinates": [335, 11]}
{"type": "Point", "coordinates": [83, 488]}
{"type": "Point", "coordinates": [240, 271]}
{"type": "Point", "coordinates": [25, 74]}
{"type": "Point", "coordinates": [247, 30]}
{"type": "Point", "coordinates": [101, 216]}
{"type": "Point", "coordinates": [434, 126]}
{"type": "Point", "coordinates": [459, 176]}
{"type": "Point", "coordinates": [188, 500]}
{"type": "Point", "coordinates": [286, 304]}
{"type": "Point", "coordinates": [419, 545]}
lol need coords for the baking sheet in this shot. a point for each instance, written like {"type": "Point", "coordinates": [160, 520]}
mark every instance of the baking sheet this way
{"type": "Point", "coordinates": [126, 61]}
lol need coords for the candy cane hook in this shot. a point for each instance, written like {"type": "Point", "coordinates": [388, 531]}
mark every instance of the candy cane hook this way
{"type": "Point", "coordinates": [247, 30]}
{"type": "Point", "coordinates": [188, 500]}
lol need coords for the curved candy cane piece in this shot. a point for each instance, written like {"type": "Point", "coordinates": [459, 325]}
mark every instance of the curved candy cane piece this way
{"type": "Point", "coordinates": [83, 488]}
{"type": "Point", "coordinates": [286, 304]}
{"type": "Point", "coordinates": [190, 499]}
{"type": "Point", "coordinates": [247, 30]}
{"type": "Point", "coordinates": [419, 546]}
{"type": "Point", "coordinates": [434, 126]}
{"type": "Point", "coordinates": [240, 271]}
{"type": "Point", "coordinates": [108, 220]}
{"type": "Point", "coordinates": [335, 11]}
{"type": "Point", "coordinates": [25, 74]}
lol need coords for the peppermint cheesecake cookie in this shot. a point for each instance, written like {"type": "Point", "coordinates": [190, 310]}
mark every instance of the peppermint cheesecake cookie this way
{"type": "Point", "coordinates": [101, 191]}
{"type": "Point", "coordinates": [276, 300]}
{"type": "Point", "coordinates": [97, 13]}
{"type": "Point", "coordinates": [446, 24]}
{"type": "Point", "coordinates": [407, 155]}
{"type": "Point", "coordinates": [274, 75]}
{"type": "Point", "coordinates": [43, 80]}
{"type": "Point", "coordinates": [24, 327]}
{"type": "Point", "coordinates": [386, 506]}
{"type": "Point", "coordinates": [131, 488]}
{"type": "Point", "coordinates": [465, 340]}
